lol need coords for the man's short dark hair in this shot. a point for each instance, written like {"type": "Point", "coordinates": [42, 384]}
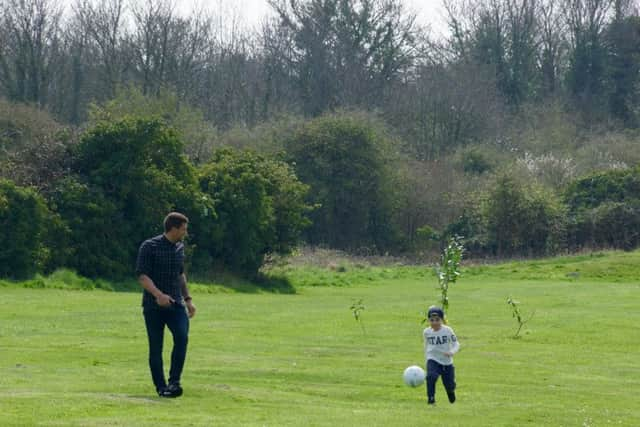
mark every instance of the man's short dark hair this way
{"type": "Point", "coordinates": [174, 220]}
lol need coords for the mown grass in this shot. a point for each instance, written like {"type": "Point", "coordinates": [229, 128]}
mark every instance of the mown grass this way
{"type": "Point", "coordinates": [612, 266]}
{"type": "Point", "coordinates": [78, 358]}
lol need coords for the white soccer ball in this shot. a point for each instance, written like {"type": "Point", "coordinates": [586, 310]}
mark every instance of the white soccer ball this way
{"type": "Point", "coordinates": [414, 376]}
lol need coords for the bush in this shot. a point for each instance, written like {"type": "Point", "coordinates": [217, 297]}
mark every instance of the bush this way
{"type": "Point", "coordinates": [610, 225]}
{"type": "Point", "coordinates": [127, 175]}
{"type": "Point", "coordinates": [604, 210]}
{"type": "Point", "coordinates": [523, 220]}
{"type": "Point", "coordinates": [476, 161]}
{"type": "Point", "coordinates": [198, 135]}
{"type": "Point", "coordinates": [33, 146]}
{"type": "Point", "coordinates": [24, 219]}
{"type": "Point", "coordinates": [472, 228]}
{"type": "Point", "coordinates": [617, 225]}
{"type": "Point", "coordinates": [260, 209]}
{"type": "Point", "coordinates": [345, 160]}
{"type": "Point", "coordinates": [609, 186]}
{"type": "Point", "coordinates": [513, 219]}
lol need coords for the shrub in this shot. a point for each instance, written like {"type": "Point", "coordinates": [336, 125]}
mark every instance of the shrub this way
{"type": "Point", "coordinates": [609, 186]}
{"type": "Point", "coordinates": [198, 136]}
{"type": "Point", "coordinates": [617, 225]}
{"type": "Point", "coordinates": [33, 146]}
{"type": "Point", "coordinates": [127, 175]}
{"type": "Point", "coordinates": [24, 219]}
{"type": "Point", "coordinates": [513, 219]}
{"type": "Point", "coordinates": [610, 225]}
{"type": "Point", "coordinates": [604, 209]}
{"type": "Point", "coordinates": [346, 161]}
{"type": "Point", "coordinates": [472, 228]}
{"type": "Point", "coordinates": [476, 161]}
{"type": "Point", "coordinates": [524, 220]}
{"type": "Point", "coordinates": [260, 209]}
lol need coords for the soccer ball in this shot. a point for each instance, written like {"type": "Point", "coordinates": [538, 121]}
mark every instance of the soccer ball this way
{"type": "Point", "coordinates": [414, 376]}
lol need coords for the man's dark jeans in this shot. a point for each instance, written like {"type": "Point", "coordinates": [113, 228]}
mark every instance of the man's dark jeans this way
{"type": "Point", "coordinates": [176, 319]}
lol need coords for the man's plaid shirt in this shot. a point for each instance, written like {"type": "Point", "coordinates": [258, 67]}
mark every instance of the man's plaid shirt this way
{"type": "Point", "coordinates": [163, 262]}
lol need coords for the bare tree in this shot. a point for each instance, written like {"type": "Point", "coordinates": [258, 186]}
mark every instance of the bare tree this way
{"type": "Point", "coordinates": [345, 52]}
{"type": "Point", "coordinates": [149, 42]}
{"type": "Point", "coordinates": [552, 45]}
{"type": "Point", "coordinates": [447, 106]}
{"type": "Point", "coordinates": [29, 43]}
{"type": "Point", "coordinates": [104, 22]}
{"type": "Point", "coordinates": [586, 21]}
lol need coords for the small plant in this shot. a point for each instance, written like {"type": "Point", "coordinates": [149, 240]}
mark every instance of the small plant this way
{"type": "Point", "coordinates": [357, 308]}
{"type": "Point", "coordinates": [518, 315]}
{"type": "Point", "coordinates": [449, 269]}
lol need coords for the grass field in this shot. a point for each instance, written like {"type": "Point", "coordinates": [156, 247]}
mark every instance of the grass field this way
{"type": "Point", "coordinates": [78, 357]}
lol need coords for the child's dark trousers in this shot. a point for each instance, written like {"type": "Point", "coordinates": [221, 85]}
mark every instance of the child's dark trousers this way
{"type": "Point", "coordinates": [435, 370]}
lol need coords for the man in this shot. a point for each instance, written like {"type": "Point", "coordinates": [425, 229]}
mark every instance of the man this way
{"type": "Point", "coordinates": [166, 300]}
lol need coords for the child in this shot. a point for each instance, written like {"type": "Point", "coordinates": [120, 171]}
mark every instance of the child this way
{"type": "Point", "coordinates": [440, 344]}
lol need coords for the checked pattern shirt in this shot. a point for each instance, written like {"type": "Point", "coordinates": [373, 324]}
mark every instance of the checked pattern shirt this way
{"type": "Point", "coordinates": [163, 262]}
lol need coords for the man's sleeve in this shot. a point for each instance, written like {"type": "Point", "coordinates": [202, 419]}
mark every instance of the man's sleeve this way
{"type": "Point", "coordinates": [182, 260]}
{"type": "Point", "coordinates": [143, 263]}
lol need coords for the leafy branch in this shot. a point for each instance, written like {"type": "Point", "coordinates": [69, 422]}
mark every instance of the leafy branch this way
{"type": "Point", "coordinates": [357, 308]}
{"type": "Point", "coordinates": [449, 269]}
{"type": "Point", "coordinates": [516, 314]}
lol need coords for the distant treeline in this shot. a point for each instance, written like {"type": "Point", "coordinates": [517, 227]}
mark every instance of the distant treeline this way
{"type": "Point", "coordinates": [320, 55]}
{"type": "Point", "coordinates": [340, 123]}
{"type": "Point", "coordinates": [336, 183]}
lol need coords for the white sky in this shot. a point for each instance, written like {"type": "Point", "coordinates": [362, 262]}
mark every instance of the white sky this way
{"type": "Point", "coordinates": [428, 12]}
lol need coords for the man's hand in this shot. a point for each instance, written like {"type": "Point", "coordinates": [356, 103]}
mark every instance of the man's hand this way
{"type": "Point", "coordinates": [448, 354]}
{"type": "Point", "coordinates": [164, 300]}
{"type": "Point", "coordinates": [191, 309]}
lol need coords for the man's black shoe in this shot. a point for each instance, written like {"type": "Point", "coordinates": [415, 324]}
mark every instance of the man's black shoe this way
{"type": "Point", "coordinates": [452, 396]}
{"type": "Point", "coordinates": [431, 401]}
{"type": "Point", "coordinates": [172, 390]}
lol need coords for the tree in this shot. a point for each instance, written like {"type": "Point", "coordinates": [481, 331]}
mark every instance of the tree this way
{"type": "Point", "coordinates": [33, 146]}
{"type": "Point", "coordinates": [29, 45]}
{"type": "Point", "coordinates": [586, 21]}
{"type": "Point", "coordinates": [199, 136]}
{"type": "Point", "coordinates": [104, 22]}
{"type": "Point", "coordinates": [552, 46]}
{"type": "Point", "coordinates": [346, 161]}
{"type": "Point", "coordinates": [523, 220]}
{"type": "Point", "coordinates": [260, 209]}
{"type": "Point", "coordinates": [127, 175]}
{"type": "Point", "coordinates": [502, 35]}
{"type": "Point", "coordinates": [604, 209]}
{"type": "Point", "coordinates": [24, 219]}
{"type": "Point", "coordinates": [344, 52]}
{"type": "Point", "coordinates": [444, 107]}
{"type": "Point", "coordinates": [623, 42]}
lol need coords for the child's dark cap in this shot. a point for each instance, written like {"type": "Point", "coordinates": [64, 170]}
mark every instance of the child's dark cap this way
{"type": "Point", "coordinates": [435, 311]}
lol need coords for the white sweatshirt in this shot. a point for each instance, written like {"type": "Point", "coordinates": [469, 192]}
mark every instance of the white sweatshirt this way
{"type": "Point", "coordinates": [436, 343]}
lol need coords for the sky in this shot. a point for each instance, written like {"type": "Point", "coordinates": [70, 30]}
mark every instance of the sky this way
{"type": "Point", "coordinates": [252, 12]}
{"type": "Point", "coordinates": [428, 11]}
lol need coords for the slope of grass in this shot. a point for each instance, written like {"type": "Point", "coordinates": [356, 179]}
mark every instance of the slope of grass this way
{"type": "Point", "coordinates": [76, 358]}
{"type": "Point", "coordinates": [610, 266]}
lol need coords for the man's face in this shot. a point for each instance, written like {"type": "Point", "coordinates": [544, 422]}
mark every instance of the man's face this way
{"type": "Point", "coordinates": [182, 231]}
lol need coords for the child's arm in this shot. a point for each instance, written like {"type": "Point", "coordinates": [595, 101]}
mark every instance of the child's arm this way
{"type": "Point", "coordinates": [424, 339]}
{"type": "Point", "coordinates": [455, 345]}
